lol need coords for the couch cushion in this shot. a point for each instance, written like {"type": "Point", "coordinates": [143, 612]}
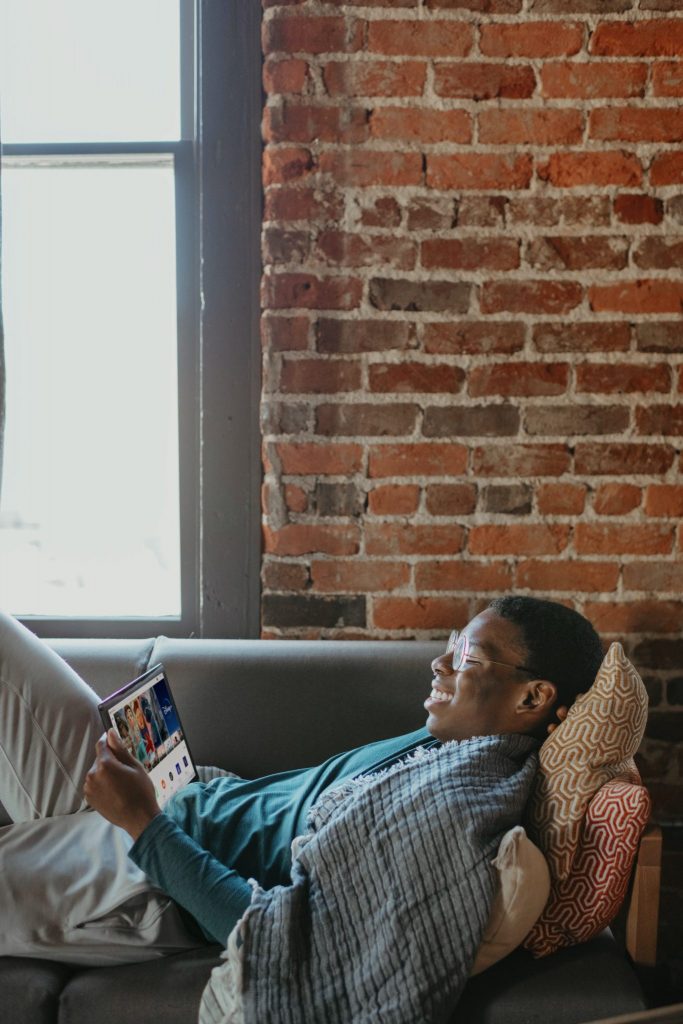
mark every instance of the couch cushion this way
{"type": "Point", "coordinates": [582, 983]}
{"type": "Point", "coordinates": [167, 990]}
{"type": "Point", "coordinates": [30, 989]}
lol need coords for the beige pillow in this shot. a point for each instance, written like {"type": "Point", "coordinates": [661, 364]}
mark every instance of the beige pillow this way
{"type": "Point", "coordinates": [594, 744]}
{"type": "Point", "coordinates": [522, 893]}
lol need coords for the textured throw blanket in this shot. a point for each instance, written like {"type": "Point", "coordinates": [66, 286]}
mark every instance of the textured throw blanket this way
{"type": "Point", "coordinates": [391, 891]}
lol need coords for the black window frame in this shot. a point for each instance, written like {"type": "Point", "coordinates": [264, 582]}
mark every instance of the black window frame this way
{"type": "Point", "coordinates": [218, 221]}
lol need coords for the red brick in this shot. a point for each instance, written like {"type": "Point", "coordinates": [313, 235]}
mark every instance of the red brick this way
{"type": "Point", "coordinates": [582, 337]}
{"type": "Point", "coordinates": [394, 499]}
{"type": "Point", "coordinates": [412, 378]}
{"type": "Point", "coordinates": [413, 539]}
{"type": "Point", "coordinates": [296, 498]}
{"type": "Point", "coordinates": [375, 211]}
{"type": "Point", "coordinates": [664, 500]}
{"type": "Point", "coordinates": [285, 245]}
{"type": "Point", "coordinates": [486, 6]}
{"type": "Point", "coordinates": [365, 419]}
{"type": "Point", "coordinates": [654, 616]}
{"type": "Point", "coordinates": [590, 80]}
{"type": "Point", "coordinates": [570, 576]}
{"type": "Point", "coordinates": [572, 170]}
{"type": "Point", "coordinates": [473, 337]}
{"type": "Point", "coordinates": [471, 253]}
{"type": "Point", "coordinates": [519, 126]}
{"type": "Point", "coordinates": [287, 204]}
{"type": "Point", "coordinates": [530, 296]}
{"type": "Point", "coordinates": [302, 34]}
{"type": "Point", "coordinates": [518, 379]}
{"type": "Point", "coordinates": [561, 499]}
{"type": "Point", "coordinates": [364, 335]}
{"type": "Point", "coordinates": [566, 211]}
{"type": "Point", "coordinates": [660, 419]}
{"type": "Point", "coordinates": [349, 250]}
{"type": "Point", "coordinates": [358, 576]}
{"type": "Point", "coordinates": [319, 376]}
{"type": "Point", "coordinates": [307, 122]}
{"type": "Point", "coordinates": [284, 333]}
{"type": "Point", "coordinates": [301, 538]}
{"type": "Point", "coordinates": [420, 296]}
{"type": "Point", "coordinates": [451, 499]}
{"type": "Point", "coordinates": [476, 211]}
{"type": "Point", "coordinates": [657, 576]}
{"type": "Point", "coordinates": [494, 419]}
{"type": "Point", "coordinates": [432, 213]}
{"type": "Point", "coordinates": [287, 291]}
{"type": "Point", "coordinates": [359, 167]}
{"type": "Point", "coordinates": [285, 164]}
{"type": "Point", "coordinates": [659, 336]}
{"type": "Point", "coordinates": [575, 419]}
{"type": "Point", "coordinates": [486, 81]}
{"type": "Point", "coordinates": [375, 78]}
{"type": "Point", "coordinates": [630, 124]}
{"type": "Point", "coordinates": [518, 539]}
{"type": "Point", "coordinates": [561, 252]}
{"type": "Point", "coordinates": [644, 296]}
{"type": "Point", "coordinates": [284, 576]}
{"type": "Point", "coordinates": [638, 209]}
{"type": "Point", "coordinates": [621, 378]}
{"type": "Point", "coordinates": [303, 458]}
{"type": "Point", "coordinates": [667, 169]}
{"type": "Point", "coordinates": [596, 459]}
{"type": "Point", "coordinates": [478, 170]}
{"type": "Point", "coordinates": [652, 38]}
{"type": "Point", "coordinates": [420, 613]}
{"type": "Point", "coordinates": [659, 253]}
{"type": "Point", "coordinates": [531, 39]}
{"type": "Point", "coordinates": [420, 38]}
{"type": "Point", "coordinates": [432, 459]}
{"type": "Point", "coordinates": [421, 124]}
{"type": "Point", "coordinates": [284, 76]}
{"type": "Point", "coordinates": [457, 574]}
{"type": "Point", "coordinates": [521, 460]}
{"type": "Point", "coordinates": [667, 78]}
{"type": "Point", "coordinates": [616, 499]}
{"type": "Point", "coordinates": [622, 539]}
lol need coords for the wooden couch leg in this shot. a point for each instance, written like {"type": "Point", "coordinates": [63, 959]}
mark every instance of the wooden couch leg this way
{"type": "Point", "coordinates": [643, 914]}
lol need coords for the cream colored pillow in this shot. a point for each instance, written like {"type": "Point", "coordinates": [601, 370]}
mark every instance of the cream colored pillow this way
{"type": "Point", "coordinates": [521, 895]}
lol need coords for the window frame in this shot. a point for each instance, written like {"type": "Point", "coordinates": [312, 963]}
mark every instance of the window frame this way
{"type": "Point", "coordinates": [218, 220]}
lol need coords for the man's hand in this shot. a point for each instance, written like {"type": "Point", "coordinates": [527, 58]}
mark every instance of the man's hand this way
{"type": "Point", "coordinates": [561, 713]}
{"type": "Point", "coordinates": [119, 788]}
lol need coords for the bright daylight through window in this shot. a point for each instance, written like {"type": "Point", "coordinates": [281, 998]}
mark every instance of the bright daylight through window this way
{"type": "Point", "coordinates": [89, 511]}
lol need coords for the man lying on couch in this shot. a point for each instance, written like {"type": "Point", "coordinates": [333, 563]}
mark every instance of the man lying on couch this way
{"type": "Point", "coordinates": [385, 903]}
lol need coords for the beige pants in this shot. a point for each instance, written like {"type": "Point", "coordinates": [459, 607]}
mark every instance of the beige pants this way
{"type": "Point", "coordinates": [68, 890]}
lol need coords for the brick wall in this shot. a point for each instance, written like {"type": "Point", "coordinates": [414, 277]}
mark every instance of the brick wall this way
{"type": "Point", "coordinates": [472, 334]}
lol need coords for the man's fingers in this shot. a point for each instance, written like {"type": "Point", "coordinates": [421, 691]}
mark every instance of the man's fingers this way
{"type": "Point", "coordinates": [120, 752]}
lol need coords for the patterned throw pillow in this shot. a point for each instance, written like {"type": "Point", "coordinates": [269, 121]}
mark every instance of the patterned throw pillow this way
{"type": "Point", "coordinates": [587, 901]}
{"type": "Point", "coordinates": [594, 744]}
{"type": "Point", "coordinates": [587, 810]}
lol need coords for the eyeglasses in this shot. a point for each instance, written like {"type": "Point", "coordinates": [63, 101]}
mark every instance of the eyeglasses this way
{"type": "Point", "coordinates": [459, 644]}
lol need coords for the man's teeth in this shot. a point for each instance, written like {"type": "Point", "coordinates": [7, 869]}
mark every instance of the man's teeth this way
{"type": "Point", "coordinates": [439, 694]}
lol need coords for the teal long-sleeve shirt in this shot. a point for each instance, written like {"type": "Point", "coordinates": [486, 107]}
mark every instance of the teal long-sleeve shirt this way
{"type": "Point", "coordinates": [213, 836]}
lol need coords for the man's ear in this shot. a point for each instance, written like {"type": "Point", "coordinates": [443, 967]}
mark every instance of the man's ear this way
{"type": "Point", "coordinates": [538, 697]}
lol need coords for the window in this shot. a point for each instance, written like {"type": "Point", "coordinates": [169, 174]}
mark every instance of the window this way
{"type": "Point", "coordinates": [131, 170]}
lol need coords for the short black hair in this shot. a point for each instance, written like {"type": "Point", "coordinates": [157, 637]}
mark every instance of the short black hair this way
{"type": "Point", "coordinates": [562, 646]}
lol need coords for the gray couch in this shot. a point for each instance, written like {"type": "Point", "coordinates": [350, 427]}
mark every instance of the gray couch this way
{"type": "Point", "coordinates": [261, 706]}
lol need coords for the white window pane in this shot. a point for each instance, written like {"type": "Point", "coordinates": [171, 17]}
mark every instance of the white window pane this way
{"type": "Point", "coordinates": [89, 521]}
{"type": "Point", "coordinates": [89, 70]}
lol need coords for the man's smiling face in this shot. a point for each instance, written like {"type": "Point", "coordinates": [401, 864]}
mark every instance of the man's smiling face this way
{"type": "Point", "coordinates": [484, 697]}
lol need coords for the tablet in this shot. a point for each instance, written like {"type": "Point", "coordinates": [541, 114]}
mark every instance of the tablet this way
{"type": "Point", "coordinates": [144, 715]}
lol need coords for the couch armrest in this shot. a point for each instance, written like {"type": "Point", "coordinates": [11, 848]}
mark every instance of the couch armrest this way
{"type": "Point", "coordinates": [643, 913]}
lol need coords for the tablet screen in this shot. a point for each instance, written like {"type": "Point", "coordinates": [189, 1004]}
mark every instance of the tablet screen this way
{"type": "Point", "coordinates": [145, 717]}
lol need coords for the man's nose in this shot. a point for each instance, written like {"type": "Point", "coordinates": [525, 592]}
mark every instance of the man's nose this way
{"type": "Point", "coordinates": [443, 665]}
